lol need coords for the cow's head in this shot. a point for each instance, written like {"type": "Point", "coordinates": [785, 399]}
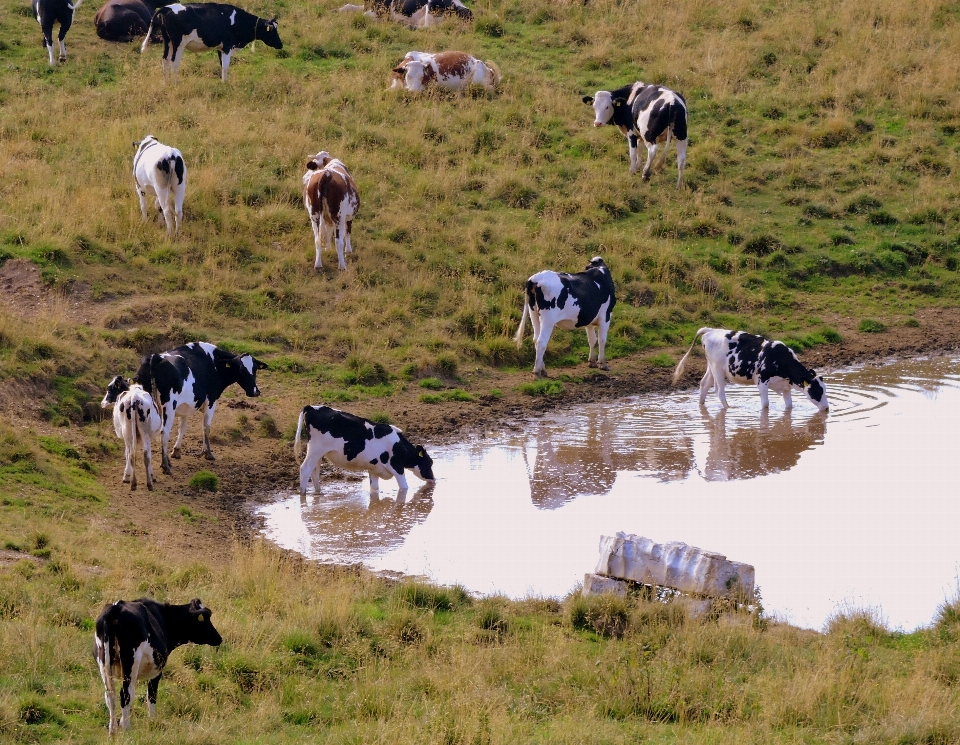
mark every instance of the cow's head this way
{"type": "Point", "coordinates": [267, 33]}
{"type": "Point", "coordinates": [596, 263]}
{"type": "Point", "coordinates": [816, 390]}
{"type": "Point", "coordinates": [422, 464]}
{"type": "Point", "coordinates": [145, 141]}
{"type": "Point", "coordinates": [242, 370]}
{"type": "Point", "coordinates": [606, 108]}
{"type": "Point", "coordinates": [319, 160]}
{"type": "Point", "coordinates": [198, 626]}
{"type": "Point", "coordinates": [117, 386]}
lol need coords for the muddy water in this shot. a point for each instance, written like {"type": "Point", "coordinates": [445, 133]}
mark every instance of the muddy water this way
{"type": "Point", "coordinates": [857, 508]}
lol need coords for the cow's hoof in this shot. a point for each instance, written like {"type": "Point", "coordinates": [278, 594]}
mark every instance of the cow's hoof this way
{"type": "Point", "coordinates": [63, 58]}
{"type": "Point", "coordinates": [133, 487]}
{"type": "Point", "coordinates": [541, 374]}
{"type": "Point", "coordinates": [318, 268]}
{"type": "Point", "coordinates": [591, 364]}
{"type": "Point", "coordinates": [150, 486]}
{"type": "Point", "coordinates": [209, 456]}
{"type": "Point", "coordinates": [125, 480]}
{"type": "Point", "coordinates": [605, 367]}
{"type": "Point", "coordinates": [646, 176]}
{"type": "Point", "coordinates": [175, 453]}
{"type": "Point", "coordinates": [167, 470]}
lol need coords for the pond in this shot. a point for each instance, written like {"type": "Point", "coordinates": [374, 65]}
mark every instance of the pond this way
{"type": "Point", "coordinates": [853, 509]}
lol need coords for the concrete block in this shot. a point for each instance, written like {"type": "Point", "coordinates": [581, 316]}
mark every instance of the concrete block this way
{"type": "Point", "coordinates": [594, 584]}
{"type": "Point", "coordinates": [674, 564]}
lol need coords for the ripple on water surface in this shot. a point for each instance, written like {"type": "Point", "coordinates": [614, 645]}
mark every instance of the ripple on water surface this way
{"type": "Point", "coordinates": [854, 507]}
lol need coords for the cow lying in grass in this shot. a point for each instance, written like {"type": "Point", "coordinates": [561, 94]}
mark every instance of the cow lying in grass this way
{"type": "Point", "coordinates": [356, 444]}
{"type": "Point", "coordinates": [134, 413]}
{"type": "Point", "coordinates": [739, 357]}
{"type": "Point", "coordinates": [450, 70]}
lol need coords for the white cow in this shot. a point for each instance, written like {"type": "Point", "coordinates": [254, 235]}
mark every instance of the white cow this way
{"type": "Point", "coordinates": [452, 70]}
{"type": "Point", "coordinates": [332, 200]}
{"type": "Point", "coordinates": [160, 170]}
{"type": "Point", "coordinates": [569, 301]}
{"type": "Point", "coordinates": [134, 412]}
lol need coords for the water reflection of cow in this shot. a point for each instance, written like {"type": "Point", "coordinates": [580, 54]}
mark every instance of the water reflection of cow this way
{"type": "Point", "coordinates": [588, 459]}
{"type": "Point", "coordinates": [758, 448]}
{"type": "Point", "coordinates": [359, 531]}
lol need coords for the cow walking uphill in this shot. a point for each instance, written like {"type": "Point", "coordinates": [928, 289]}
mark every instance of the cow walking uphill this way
{"type": "Point", "coordinates": [332, 200]}
{"type": "Point", "coordinates": [356, 444]}
{"type": "Point", "coordinates": [133, 640]}
{"type": "Point", "coordinates": [569, 301]}
{"type": "Point", "coordinates": [160, 170]}
{"type": "Point", "coordinates": [49, 12]}
{"type": "Point", "coordinates": [647, 112]}
{"type": "Point", "coordinates": [134, 413]}
{"type": "Point", "coordinates": [192, 378]}
{"type": "Point", "coordinates": [450, 70]}
{"type": "Point", "coordinates": [739, 357]}
{"type": "Point", "coordinates": [201, 27]}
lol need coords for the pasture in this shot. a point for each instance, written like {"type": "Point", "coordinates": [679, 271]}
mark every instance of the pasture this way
{"type": "Point", "coordinates": [820, 198]}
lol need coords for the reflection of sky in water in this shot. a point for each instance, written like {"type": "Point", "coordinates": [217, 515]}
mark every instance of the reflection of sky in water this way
{"type": "Point", "coordinates": [855, 508]}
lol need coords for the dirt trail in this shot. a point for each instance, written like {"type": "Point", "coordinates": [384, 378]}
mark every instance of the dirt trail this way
{"type": "Point", "coordinates": [253, 462]}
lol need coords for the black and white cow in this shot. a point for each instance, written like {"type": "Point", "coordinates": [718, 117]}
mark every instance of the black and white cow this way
{"type": "Point", "coordinates": [739, 357]}
{"type": "Point", "coordinates": [159, 170]}
{"type": "Point", "coordinates": [415, 13]}
{"type": "Point", "coordinates": [356, 444]}
{"type": "Point", "coordinates": [133, 640]}
{"type": "Point", "coordinates": [647, 112]}
{"type": "Point", "coordinates": [125, 20]}
{"type": "Point", "coordinates": [569, 301]}
{"type": "Point", "coordinates": [134, 412]}
{"type": "Point", "coordinates": [49, 12]}
{"type": "Point", "coordinates": [191, 378]}
{"type": "Point", "coordinates": [201, 27]}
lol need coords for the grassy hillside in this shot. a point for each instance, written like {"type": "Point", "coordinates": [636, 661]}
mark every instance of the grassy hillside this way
{"type": "Point", "coordinates": [337, 656]}
{"type": "Point", "coordinates": [821, 183]}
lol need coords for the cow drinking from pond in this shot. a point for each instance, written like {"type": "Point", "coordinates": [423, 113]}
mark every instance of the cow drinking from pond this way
{"type": "Point", "coordinates": [201, 27]}
{"type": "Point", "coordinates": [569, 301]}
{"type": "Point", "coordinates": [648, 113]}
{"type": "Point", "coordinates": [133, 640]}
{"type": "Point", "coordinates": [49, 12]}
{"type": "Point", "coordinates": [191, 378]}
{"type": "Point", "coordinates": [332, 200]}
{"type": "Point", "coordinates": [356, 444]}
{"type": "Point", "coordinates": [739, 357]}
{"type": "Point", "coordinates": [134, 413]}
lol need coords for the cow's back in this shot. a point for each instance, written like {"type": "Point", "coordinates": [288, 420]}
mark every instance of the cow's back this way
{"type": "Point", "coordinates": [330, 192]}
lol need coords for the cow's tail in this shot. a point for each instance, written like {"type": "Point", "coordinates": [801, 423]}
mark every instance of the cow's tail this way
{"type": "Point", "coordinates": [105, 650]}
{"type": "Point", "coordinates": [172, 170]}
{"type": "Point", "coordinates": [297, 449]}
{"type": "Point", "coordinates": [156, 15]}
{"type": "Point", "coordinates": [518, 337]}
{"type": "Point", "coordinates": [495, 73]}
{"type": "Point", "coordinates": [679, 371]}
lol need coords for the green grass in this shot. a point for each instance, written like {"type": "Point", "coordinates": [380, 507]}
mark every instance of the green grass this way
{"type": "Point", "coordinates": [541, 388]}
{"type": "Point", "coordinates": [204, 481]}
{"type": "Point", "coordinates": [871, 326]}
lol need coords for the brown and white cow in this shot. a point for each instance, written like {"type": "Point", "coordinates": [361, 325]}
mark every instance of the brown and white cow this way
{"type": "Point", "coordinates": [452, 70]}
{"type": "Point", "coordinates": [332, 200]}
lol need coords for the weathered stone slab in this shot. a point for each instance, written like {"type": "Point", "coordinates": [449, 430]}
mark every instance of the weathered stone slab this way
{"type": "Point", "coordinates": [674, 564]}
{"type": "Point", "coordinates": [594, 584]}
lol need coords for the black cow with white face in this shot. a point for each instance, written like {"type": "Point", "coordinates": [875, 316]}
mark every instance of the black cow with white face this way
{"type": "Point", "coordinates": [739, 357]}
{"type": "Point", "coordinates": [416, 13]}
{"type": "Point", "coordinates": [201, 27]}
{"type": "Point", "coordinates": [49, 12]}
{"type": "Point", "coordinates": [569, 301]}
{"type": "Point", "coordinates": [191, 378]}
{"type": "Point", "coordinates": [356, 444]}
{"type": "Point", "coordinates": [647, 112]}
{"type": "Point", "coordinates": [133, 641]}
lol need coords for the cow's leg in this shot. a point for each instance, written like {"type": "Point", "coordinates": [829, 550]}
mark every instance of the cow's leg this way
{"type": "Point", "coordinates": [787, 399]}
{"type": "Point", "coordinates": [147, 457]}
{"type": "Point", "coordinates": [178, 203]}
{"type": "Point", "coordinates": [143, 203]}
{"type": "Point", "coordinates": [402, 481]}
{"type": "Point", "coordinates": [128, 687]}
{"type": "Point", "coordinates": [602, 343]}
{"type": "Point", "coordinates": [224, 64]}
{"type": "Point", "coordinates": [109, 698]}
{"type": "Point", "coordinates": [317, 242]}
{"type": "Point", "coordinates": [177, 57]}
{"type": "Point", "coordinates": [543, 339]}
{"type": "Point", "coordinates": [681, 160]}
{"type": "Point", "coordinates": [165, 443]}
{"type": "Point", "coordinates": [64, 27]}
{"type": "Point", "coordinates": [152, 687]}
{"type": "Point", "coordinates": [764, 388]}
{"type": "Point", "coordinates": [706, 382]}
{"type": "Point", "coordinates": [592, 341]}
{"type": "Point", "coordinates": [181, 431]}
{"type": "Point", "coordinates": [348, 245]}
{"type": "Point", "coordinates": [720, 381]}
{"type": "Point", "coordinates": [651, 154]}
{"type": "Point", "coordinates": [340, 232]}
{"type": "Point", "coordinates": [207, 423]}
{"type": "Point", "coordinates": [308, 468]}
{"type": "Point", "coordinates": [634, 158]}
{"type": "Point", "coordinates": [374, 483]}
{"type": "Point", "coordinates": [167, 210]}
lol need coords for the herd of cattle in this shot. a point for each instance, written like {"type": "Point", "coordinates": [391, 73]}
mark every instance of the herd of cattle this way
{"type": "Point", "coordinates": [134, 639]}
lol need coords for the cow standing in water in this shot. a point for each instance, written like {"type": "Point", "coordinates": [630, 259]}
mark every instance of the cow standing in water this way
{"type": "Point", "coordinates": [739, 357]}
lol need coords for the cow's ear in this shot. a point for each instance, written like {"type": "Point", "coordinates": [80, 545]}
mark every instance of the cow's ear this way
{"type": "Point", "coordinates": [258, 365]}
{"type": "Point", "coordinates": [136, 144]}
{"type": "Point", "coordinates": [588, 100]}
{"type": "Point", "coordinates": [813, 373]}
{"type": "Point", "coordinates": [312, 165]}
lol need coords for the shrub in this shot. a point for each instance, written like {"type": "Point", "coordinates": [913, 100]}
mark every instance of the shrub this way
{"type": "Point", "coordinates": [430, 597]}
{"type": "Point", "coordinates": [433, 384]}
{"type": "Point", "coordinates": [267, 427]}
{"type": "Point", "coordinates": [761, 245]}
{"type": "Point", "coordinates": [205, 481]}
{"type": "Point", "coordinates": [606, 614]}
{"type": "Point", "coordinates": [488, 26]}
{"type": "Point", "coordinates": [380, 417]}
{"type": "Point", "coordinates": [869, 326]}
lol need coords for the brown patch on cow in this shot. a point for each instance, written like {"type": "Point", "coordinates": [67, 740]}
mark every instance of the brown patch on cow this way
{"type": "Point", "coordinates": [452, 64]}
{"type": "Point", "coordinates": [325, 192]}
